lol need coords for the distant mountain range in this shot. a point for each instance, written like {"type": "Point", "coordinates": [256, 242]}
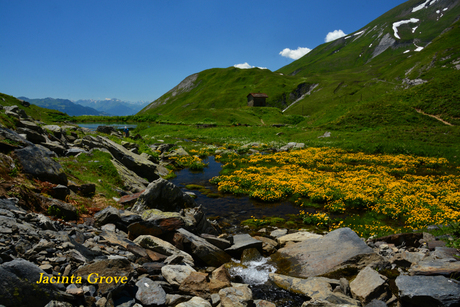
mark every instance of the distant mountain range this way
{"type": "Point", "coordinates": [114, 106]}
{"type": "Point", "coordinates": [107, 107]}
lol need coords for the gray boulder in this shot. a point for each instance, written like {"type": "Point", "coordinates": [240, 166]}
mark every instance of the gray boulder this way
{"type": "Point", "coordinates": [160, 246]}
{"type": "Point", "coordinates": [131, 181]}
{"type": "Point", "coordinates": [8, 134]}
{"type": "Point", "coordinates": [163, 195]}
{"type": "Point", "coordinates": [36, 161]}
{"type": "Point", "coordinates": [107, 215]}
{"type": "Point", "coordinates": [176, 274]}
{"type": "Point", "coordinates": [319, 256]}
{"type": "Point", "coordinates": [19, 287]}
{"type": "Point", "coordinates": [428, 291]}
{"type": "Point", "coordinates": [208, 253]}
{"type": "Point", "coordinates": [32, 135]}
{"type": "Point", "coordinates": [136, 163]}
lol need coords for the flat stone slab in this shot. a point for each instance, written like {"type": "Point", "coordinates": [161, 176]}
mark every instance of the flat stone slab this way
{"type": "Point", "coordinates": [446, 267]}
{"type": "Point", "coordinates": [318, 256]}
{"type": "Point", "coordinates": [242, 242]}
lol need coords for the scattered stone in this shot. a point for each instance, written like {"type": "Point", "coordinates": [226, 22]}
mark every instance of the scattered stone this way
{"type": "Point", "coordinates": [150, 293]}
{"type": "Point", "coordinates": [297, 237]}
{"type": "Point", "coordinates": [176, 274]}
{"type": "Point", "coordinates": [236, 296]}
{"type": "Point", "coordinates": [242, 242]}
{"type": "Point", "coordinates": [195, 302]}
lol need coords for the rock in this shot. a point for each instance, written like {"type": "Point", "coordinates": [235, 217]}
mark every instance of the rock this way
{"type": "Point", "coordinates": [278, 233]}
{"type": "Point", "coordinates": [208, 253]}
{"type": "Point", "coordinates": [107, 215]}
{"type": "Point", "coordinates": [32, 135]}
{"type": "Point", "coordinates": [428, 291]}
{"type": "Point", "coordinates": [408, 239]}
{"type": "Point", "coordinates": [135, 163]}
{"type": "Point", "coordinates": [157, 245]}
{"type": "Point", "coordinates": [120, 268]}
{"type": "Point", "coordinates": [216, 241]}
{"type": "Point", "coordinates": [60, 192]}
{"type": "Point", "coordinates": [85, 190]}
{"type": "Point", "coordinates": [129, 200]}
{"type": "Point", "coordinates": [196, 221]}
{"type": "Point", "coordinates": [6, 162]}
{"type": "Point", "coordinates": [72, 152]}
{"type": "Point", "coordinates": [376, 303]}
{"type": "Point", "coordinates": [58, 304]}
{"type": "Point", "coordinates": [19, 288]}
{"type": "Point", "coordinates": [369, 285]}
{"type": "Point", "coordinates": [176, 299]}
{"type": "Point", "coordinates": [195, 302]}
{"type": "Point", "coordinates": [196, 284]}
{"type": "Point", "coordinates": [106, 129]}
{"type": "Point", "coordinates": [322, 303]}
{"type": "Point", "coordinates": [31, 126]}
{"type": "Point", "coordinates": [297, 237]}
{"type": "Point", "coordinates": [315, 288]}
{"type": "Point", "coordinates": [55, 147]}
{"type": "Point", "coordinates": [62, 210]}
{"type": "Point", "coordinates": [176, 274]}
{"type": "Point", "coordinates": [13, 136]}
{"type": "Point", "coordinates": [242, 242]}
{"type": "Point", "coordinates": [319, 256]}
{"type": "Point", "coordinates": [131, 181]}
{"type": "Point", "coordinates": [164, 195]}
{"type": "Point", "coordinates": [263, 303]}
{"type": "Point", "coordinates": [150, 293]}
{"type": "Point", "coordinates": [269, 246]}
{"type": "Point", "coordinates": [36, 161]}
{"type": "Point", "coordinates": [239, 295]}
{"type": "Point", "coordinates": [154, 227]}
{"type": "Point", "coordinates": [446, 267]}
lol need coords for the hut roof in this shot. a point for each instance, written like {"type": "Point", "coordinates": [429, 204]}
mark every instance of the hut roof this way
{"type": "Point", "coordinates": [258, 95]}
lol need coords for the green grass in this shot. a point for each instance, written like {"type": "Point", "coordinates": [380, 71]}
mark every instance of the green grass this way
{"type": "Point", "coordinates": [95, 168]}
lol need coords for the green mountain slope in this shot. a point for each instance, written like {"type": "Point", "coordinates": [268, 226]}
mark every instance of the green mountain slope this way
{"type": "Point", "coordinates": [414, 43]}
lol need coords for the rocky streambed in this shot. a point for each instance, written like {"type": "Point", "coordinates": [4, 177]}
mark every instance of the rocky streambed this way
{"type": "Point", "coordinates": [163, 251]}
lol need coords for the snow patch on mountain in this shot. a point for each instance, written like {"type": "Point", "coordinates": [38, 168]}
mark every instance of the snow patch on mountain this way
{"type": "Point", "coordinates": [426, 4]}
{"type": "Point", "coordinates": [399, 23]}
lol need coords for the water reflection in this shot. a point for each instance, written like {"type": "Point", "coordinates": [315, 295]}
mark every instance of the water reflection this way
{"type": "Point", "coordinates": [119, 126]}
{"type": "Point", "coordinates": [229, 207]}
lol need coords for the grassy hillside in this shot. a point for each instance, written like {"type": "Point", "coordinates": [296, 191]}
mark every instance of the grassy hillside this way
{"type": "Point", "coordinates": [36, 112]}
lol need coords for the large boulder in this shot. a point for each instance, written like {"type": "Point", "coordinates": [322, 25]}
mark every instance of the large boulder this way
{"type": "Point", "coordinates": [131, 181]}
{"type": "Point", "coordinates": [36, 161]}
{"type": "Point", "coordinates": [319, 256]}
{"type": "Point", "coordinates": [163, 195]}
{"type": "Point", "coordinates": [208, 253]}
{"type": "Point", "coordinates": [136, 163]}
{"type": "Point", "coordinates": [428, 291]}
{"type": "Point", "coordinates": [20, 285]}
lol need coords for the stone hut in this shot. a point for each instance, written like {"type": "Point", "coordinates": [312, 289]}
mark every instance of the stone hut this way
{"type": "Point", "coordinates": [257, 100]}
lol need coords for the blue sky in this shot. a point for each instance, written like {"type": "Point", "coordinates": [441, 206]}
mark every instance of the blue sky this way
{"type": "Point", "coordinates": [139, 49]}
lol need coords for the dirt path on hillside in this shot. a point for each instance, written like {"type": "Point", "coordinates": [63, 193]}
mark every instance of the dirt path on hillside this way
{"type": "Point", "coordinates": [434, 116]}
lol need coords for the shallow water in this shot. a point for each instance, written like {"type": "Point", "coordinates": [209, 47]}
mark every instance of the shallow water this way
{"type": "Point", "coordinates": [119, 126]}
{"type": "Point", "coordinates": [228, 207]}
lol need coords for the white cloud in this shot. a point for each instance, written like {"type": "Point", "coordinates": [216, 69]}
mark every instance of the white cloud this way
{"type": "Point", "coordinates": [246, 66]}
{"type": "Point", "coordinates": [332, 36]}
{"type": "Point", "coordinates": [295, 54]}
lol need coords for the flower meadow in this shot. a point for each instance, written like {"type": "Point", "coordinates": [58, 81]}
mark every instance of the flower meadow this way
{"type": "Point", "coordinates": [372, 194]}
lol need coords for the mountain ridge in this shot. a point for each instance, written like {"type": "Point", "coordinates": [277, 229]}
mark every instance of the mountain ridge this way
{"type": "Point", "coordinates": [358, 68]}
